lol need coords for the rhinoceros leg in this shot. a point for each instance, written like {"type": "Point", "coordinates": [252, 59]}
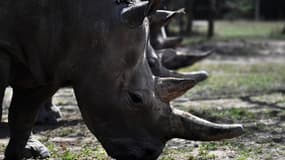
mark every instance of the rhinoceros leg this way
{"type": "Point", "coordinates": [22, 115]}
{"type": "Point", "coordinates": [49, 113]}
{"type": "Point", "coordinates": [35, 149]}
{"type": "Point", "coordinates": [4, 76]}
{"type": "Point", "coordinates": [2, 90]}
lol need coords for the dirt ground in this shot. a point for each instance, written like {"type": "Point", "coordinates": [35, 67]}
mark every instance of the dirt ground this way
{"type": "Point", "coordinates": [263, 116]}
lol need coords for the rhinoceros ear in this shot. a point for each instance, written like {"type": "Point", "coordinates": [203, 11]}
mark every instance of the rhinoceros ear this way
{"type": "Point", "coordinates": [163, 17]}
{"type": "Point", "coordinates": [134, 14]}
{"type": "Point", "coordinates": [170, 88]}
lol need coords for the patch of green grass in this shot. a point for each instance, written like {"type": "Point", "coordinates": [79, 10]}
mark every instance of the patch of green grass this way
{"type": "Point", "coordinates": [239, 114]}
{"type": "Point", "coordinates": [245, 152]}
{"type": "Point", "coordinates": [238, 79]}
{"type": "Point", "coordinates": [204, 150]}
{"type": "Point", "coordinates": [177, 153]}
{"type": "Point", "coordinates": [242, 151]}
{"type": "Point", "coordinates": [281, 115]}
{"type": "Point", "coordinates": [203, 153]}
{"type": "Point", "coordinates": [238, 151]}
{"type": "Point", "coordinates": [209, 146]}
{"type": "Point", "coordinates": [255, 29]}
{"type": "Point", "coordinates": [226, 115]}
{"type": "Point", "coordinates": [68, 155]}
{"type": "Point", "coordinates": [275, 98]}
{"type": "Point", "coordinates": [2, 148]}
{"type": "Point", "coordinates": [66, 131]}
{"type": "Point", "coordinates": [87, 152]}
{"type": "Point", "coordinates": [240, 29]}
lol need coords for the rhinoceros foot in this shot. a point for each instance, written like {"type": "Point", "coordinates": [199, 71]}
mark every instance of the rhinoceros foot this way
{"type": "Point", "coordinates": [49, 114]}
{"type": "Point", "coordinates": [35, 149]}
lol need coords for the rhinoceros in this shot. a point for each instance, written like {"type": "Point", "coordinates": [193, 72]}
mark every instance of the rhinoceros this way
{"type": "Point", "coordinates": [160, 61]}
{"type": "Point", "coordinates": [50, 113]}
{"type": "Point", "coordinates": [98, 48]}
{"type": "Point", "coordinates": [158, 36]}
{"type": "Point", "coordinates": [170, 57]}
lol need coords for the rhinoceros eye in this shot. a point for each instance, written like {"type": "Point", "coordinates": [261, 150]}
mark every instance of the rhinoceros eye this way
{"type": "Point", "coordinates": [136, 98]}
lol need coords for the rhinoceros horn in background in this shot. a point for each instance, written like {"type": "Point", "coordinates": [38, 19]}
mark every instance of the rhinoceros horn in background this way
{"type": "Point", "coordinates": [160, 71]}
{"type": "Point", "coordinates": [158, 37]}
{"type": "Point", "coordinates": [172, 59]}
{"type": "Point", "coordinates": [136, 12]}
{"type": "Point", "coordinates": [163, 17]}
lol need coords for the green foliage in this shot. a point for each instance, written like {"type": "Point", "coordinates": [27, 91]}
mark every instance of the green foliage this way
{"type": "Point", "coordinates": [239, 29]}
{"type": "Point", "coordinates": [239, 9]}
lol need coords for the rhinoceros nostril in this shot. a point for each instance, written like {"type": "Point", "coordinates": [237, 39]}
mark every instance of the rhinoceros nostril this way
{"type": "Point", "coordinates": [136, 98]}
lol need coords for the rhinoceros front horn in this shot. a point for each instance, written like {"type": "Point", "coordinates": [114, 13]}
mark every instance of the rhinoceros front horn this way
{"type": "Point", "coordinates": [170, 88]}
{"type": "Point", "coordinates": [134, 14]}
{"type": "Point", "coordinates": [187, 126]}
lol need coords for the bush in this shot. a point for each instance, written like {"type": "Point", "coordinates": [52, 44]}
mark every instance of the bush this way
{"type": "Point", "coordinates": [234, 9]}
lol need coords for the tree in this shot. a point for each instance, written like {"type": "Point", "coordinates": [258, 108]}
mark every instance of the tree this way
{"type": "Point", "coordinates": [189, 11]}
{"type": "Point", "coordinates": [211, 19]}
{"type": "Point", "coordinates": [257, 9]}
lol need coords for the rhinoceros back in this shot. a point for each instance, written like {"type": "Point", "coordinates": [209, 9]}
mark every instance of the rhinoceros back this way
{"type": "Point", "coordinates": [24, 36]}
{"type": "Point", "coordinates": [42, 33]}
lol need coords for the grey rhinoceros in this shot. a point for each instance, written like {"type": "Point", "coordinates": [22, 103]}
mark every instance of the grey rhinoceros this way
{"type": "Point", "coordinates": [170, 57]}
{"type": "Point", "coordinates": [97, 47]}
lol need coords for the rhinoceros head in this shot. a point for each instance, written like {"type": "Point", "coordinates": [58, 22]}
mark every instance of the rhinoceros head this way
{"type": "Point", "coordinates": [125, 106]}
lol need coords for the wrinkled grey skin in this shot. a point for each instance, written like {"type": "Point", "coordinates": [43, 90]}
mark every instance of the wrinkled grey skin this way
{"type": "Point", "coordinates": [98, 48]}
{"type": "Point", "coordinates": [168, 59]}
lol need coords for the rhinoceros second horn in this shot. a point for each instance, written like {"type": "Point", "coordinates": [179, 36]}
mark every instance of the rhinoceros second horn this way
{"type": "Point", "coordinates": [168, 89]}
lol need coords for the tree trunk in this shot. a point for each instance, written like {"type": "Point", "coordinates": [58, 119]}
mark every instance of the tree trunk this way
{"type": "Point", "coordinates": [211, 17]}
{"type": "Point", "coordinates": [257, 10]}
{"type": "Point", "coordinates": [189, 12]}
